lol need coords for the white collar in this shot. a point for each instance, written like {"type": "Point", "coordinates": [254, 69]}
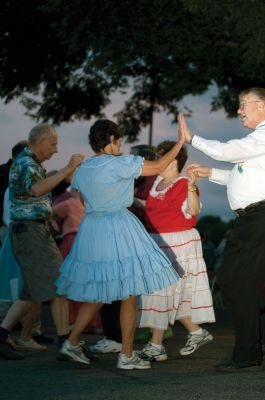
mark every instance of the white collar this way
{"type": "Point", "coordinates": [262, 123]}
{"type": "Point", "coordinates": [161, 193]}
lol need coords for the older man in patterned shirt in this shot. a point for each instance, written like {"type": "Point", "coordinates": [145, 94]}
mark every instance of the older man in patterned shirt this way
{"type": "Point", "coordinates": [32, 243]}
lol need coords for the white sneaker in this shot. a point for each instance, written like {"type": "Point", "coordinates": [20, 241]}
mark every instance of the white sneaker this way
{"type": "Point", "coordinates": [75, 353]}
{"type": "Point", "coordinates": [30, 345]}
{"type": "Point", "coordinates": [133, 362]}
{"type": "Point", "coordinates": [194, 342]}
{"type": "Point", "coordinates": [152, 353]}
{"type": "Point", "coordinates": [105, 346]}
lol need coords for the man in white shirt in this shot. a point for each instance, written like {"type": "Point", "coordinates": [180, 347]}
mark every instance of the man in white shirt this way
{"type": "Point", "coordinates": [242, 275]}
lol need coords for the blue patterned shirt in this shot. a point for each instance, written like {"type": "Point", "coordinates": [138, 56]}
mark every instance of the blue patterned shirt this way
{"type": "Point", "coordinates": [26, 170]}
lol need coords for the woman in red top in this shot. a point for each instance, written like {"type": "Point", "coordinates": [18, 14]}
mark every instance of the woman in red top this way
{"type": "Point", "coordinates": [171, 211]}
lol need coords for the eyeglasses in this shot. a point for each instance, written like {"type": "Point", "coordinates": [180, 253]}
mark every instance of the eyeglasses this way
{"type": "Point", "coordinates": [243, 104]}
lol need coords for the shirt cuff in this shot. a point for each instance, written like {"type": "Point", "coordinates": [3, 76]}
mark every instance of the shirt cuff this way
{"type": "Point", "coordinates": [219, 176]}
{"type": "Point", "coordinates": [197, 142]}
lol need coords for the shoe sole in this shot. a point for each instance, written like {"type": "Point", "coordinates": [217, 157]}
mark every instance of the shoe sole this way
{"type": "Point", "coordinates": [207, 340]}
{"type": "Point", "coordinates": [160, 358]}
{"type": "Point", "coordinates": [128, 368]}
{"type": "Point", "coordinates": [154, 358]}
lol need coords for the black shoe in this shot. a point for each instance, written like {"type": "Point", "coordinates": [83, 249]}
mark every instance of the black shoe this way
{"type": "Point", "coordinates": [232, 366]}
{"type": "Point", "coordinates": [42, 338]}
{"type": "Point", "coordinates": [7, 353]}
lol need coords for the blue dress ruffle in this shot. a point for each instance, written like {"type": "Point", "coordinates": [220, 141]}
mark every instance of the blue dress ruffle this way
{"type": "Point", "coordinates": [112, 258]}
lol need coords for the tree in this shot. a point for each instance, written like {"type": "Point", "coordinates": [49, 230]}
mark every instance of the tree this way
{"type": "Point", "coordinates": [64, 59]}
{"type": "Point", "coordinates": [34, 60]}
{"type": "Point", "coordinates": [238, 44]}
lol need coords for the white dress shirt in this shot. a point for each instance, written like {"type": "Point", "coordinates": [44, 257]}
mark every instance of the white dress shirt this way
{"type": "Point", "coordinates": [246, 181]}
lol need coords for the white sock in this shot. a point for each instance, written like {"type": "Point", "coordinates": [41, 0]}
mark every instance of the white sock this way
{"type": "Point", "coordinates": [198, 332]}
{"type": "Point", "coordinates": [128, 358]}
{"type": "Point", "coordinates": [157, 346]}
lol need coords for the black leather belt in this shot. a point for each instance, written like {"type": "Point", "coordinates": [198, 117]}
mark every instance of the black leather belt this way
{"type": "Point", "coordinates": [240, 212]}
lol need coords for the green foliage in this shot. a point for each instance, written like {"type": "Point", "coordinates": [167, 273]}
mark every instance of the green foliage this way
{"type": "Point", "coordinates": [65, 58]}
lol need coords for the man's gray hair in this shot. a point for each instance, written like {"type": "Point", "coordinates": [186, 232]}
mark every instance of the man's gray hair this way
{"type": "Point", "coordinates": [38, 131]}
{"type": "Point", "coordinates": [258, 91]}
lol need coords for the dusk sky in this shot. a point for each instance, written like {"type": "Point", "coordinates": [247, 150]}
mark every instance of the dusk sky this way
{"type": "Point", "coordinates": [14, 126]}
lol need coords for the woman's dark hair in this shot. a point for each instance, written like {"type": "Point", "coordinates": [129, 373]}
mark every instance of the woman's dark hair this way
{"type": "Point", "coordinates": [145, 151]}
{"type": "Point", "coordinates": [100, 133]}
{"type": "Point", "coordinates": [167, 145]}
{"type": "Point", "coordinates": [18, 148]}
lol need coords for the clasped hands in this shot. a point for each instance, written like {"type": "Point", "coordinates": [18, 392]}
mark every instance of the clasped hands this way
{"type": "Point", "coordinates": [194, 171]}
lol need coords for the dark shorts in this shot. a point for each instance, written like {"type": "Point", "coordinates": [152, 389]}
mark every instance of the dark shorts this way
{"type": "Point", "coordinates": [38, 257]}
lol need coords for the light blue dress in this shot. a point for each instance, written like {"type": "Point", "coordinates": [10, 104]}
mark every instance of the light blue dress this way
{"type": "Point", "coordinates": [11, 280]}
{"type": "Point", "coordinates": [113, 257]}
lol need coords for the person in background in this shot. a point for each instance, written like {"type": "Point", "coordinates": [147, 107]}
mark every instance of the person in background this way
{"type": "Point", "coordinates": [4, 173]}
{"type": "Point", "coordinates": [68, 213]}
{"type": "Point", "coordinates": [209, 250]}
{"type": "Point", "coordinates": [143, 184]}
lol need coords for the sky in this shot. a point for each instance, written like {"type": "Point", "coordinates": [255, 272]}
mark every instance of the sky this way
{"type": "Point", "coordinates": [15, 125]}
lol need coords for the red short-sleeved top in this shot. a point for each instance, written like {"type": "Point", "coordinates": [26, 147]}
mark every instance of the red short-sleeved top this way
{"type": "Point", "coordinates": [166, 210]}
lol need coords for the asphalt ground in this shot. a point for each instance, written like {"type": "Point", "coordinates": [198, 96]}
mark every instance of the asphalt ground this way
{"type": "Point", "coordinates": [39, 376]}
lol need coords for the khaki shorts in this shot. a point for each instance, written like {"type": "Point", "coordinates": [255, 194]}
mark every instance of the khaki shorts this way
{"type": "Point", "coordinates": [38, 257]}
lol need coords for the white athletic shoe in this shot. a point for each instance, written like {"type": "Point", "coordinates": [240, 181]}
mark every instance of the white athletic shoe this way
{"type": "Point", "coordinates": [133, 362]}
{"type": "Point", "coordinates": [105, 346]}
{"type": "Point", "coordinates": [194, 342]}
{"type": "Point", "coordinates": [74, 353]}
{"type": "Point", "coordinates": [152, 353]}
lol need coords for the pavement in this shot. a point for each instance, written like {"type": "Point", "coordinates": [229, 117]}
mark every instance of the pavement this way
{"type": "Point", "coordinates": [39, 376]}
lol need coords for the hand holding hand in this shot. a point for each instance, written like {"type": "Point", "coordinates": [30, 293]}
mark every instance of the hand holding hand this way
{"type": "Point", "coordinates": [192, 179]}
{"type": "Point", "coordinates": [75, 161]}
{"type": "Point", "coordinates": [183, 130]}
{"type": "Point", "coordinates": [198, 171]}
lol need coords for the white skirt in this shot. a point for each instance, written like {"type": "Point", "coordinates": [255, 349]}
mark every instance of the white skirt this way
{"type": "Point", "coordinates": [190, 296]}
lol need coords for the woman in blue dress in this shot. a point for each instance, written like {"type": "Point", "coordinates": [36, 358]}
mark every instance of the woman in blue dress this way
{"type": "Point", "coordinates": [113, 257]}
